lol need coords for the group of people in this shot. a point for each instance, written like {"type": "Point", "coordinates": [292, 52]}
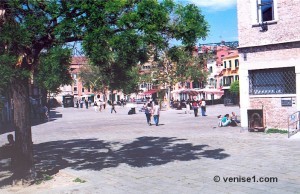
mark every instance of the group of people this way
{"type": "Point", "coordinates": [152, 110]}
{"type": "Point", "coordinates": [98, 106]}
{"type": "Point", "coordinates": [228, 120]}
{"type": "Point", "coordinates": [194, 105]}
{"type": "Point", "coordinates": [84, 101]}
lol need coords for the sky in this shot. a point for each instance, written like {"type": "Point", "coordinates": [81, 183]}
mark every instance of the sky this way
{"type": "Point", "coordinates": [221, 15]}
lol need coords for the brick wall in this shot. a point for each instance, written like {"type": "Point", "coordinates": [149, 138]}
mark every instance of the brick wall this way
{"type": "Point", "coordinates": [275, 116]}
{"type": "Point", "coordinates": [271, 56]}
{"type": "Point", "coordinates": [287, 28]}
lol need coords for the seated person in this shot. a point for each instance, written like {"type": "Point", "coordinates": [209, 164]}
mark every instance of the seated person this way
{"type": "Point", "coordinates": [9, 148]}
{"type": "Point", "coordinates": [225, 120]}
{"type": "Point", "coordinates": [234, 117]}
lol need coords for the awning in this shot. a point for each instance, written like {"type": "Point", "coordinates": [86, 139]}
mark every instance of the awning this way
{"type": "Point", "coordinates": [149, 92]}
{"type": "Point", "coordinates": [212, 91]}
{"type": "Point", "coordinates": [192, 92]}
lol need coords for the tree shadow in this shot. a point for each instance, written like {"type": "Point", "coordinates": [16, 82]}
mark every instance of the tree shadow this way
{"type": "Point", "coordinates": [94, 154]}
{"type": "Point", "coordinates": [54, 115]}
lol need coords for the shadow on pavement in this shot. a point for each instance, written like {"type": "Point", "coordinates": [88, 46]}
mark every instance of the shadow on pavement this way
{"type": "Point", "coordinates": [94, 154]}
{"type": "Point", "coordinates": [54, 115]}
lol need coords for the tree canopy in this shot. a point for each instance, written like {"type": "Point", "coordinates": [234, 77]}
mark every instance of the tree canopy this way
{"type": "Point", "coordinates": [54, 69]}
{"type": "Point", "coordinates": [235, 87]}
{"type": "Point", "coordinates": [115, 35]}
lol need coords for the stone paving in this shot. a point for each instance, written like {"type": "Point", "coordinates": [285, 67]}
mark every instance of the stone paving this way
{"type": "Point", "coordinates": [120, 153]}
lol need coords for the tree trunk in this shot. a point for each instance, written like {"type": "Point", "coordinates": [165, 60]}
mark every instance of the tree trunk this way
{"type": "Point", "coordinates": [23, 165]}
{"type": "Point", "coordinates": [168, 97]}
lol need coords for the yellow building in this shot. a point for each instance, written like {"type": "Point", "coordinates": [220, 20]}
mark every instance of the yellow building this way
{"type": "Point", "coordinates": [231, 69]}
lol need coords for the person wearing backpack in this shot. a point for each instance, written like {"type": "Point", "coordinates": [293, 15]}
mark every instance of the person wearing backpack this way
{"type": "Point", "coordinates": [195, 107]}
{"type": "Point", "coordinates": [148, 111]}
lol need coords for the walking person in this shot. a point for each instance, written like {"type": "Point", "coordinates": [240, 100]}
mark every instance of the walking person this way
{"type": "Point", "coordinates": [81, 103]}
{"type": "Point", "coordinates": [195, 107]}
{"type": "Point", "coordinates": [203, 107]}
{"type": "Point", "coordinates": [148, 111]}
{"type": "Point", "coordinates": [100, 105]}
{"type": "Point", "coordinates": [86, 103]}
{"type": "Point", "coordinates": [156, 111]}
{"type": "Point", "coordinates": [113, 108]}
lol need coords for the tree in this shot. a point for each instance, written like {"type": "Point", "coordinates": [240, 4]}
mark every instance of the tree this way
{"type": "Point", "coordinates": [235, 89]}
{"type": "Point", "coordinates": [28, 28]}
{"type": "Point", "coordinates": [114, 35]}
{"type": "Point", "coordinates": [92, 77]}
{"type": "Point", "coordinates": [138, 30]}
{"type": "Point", "coordinates": [178, 64]}
{"type": "Point", "coordinates": [53, 70]}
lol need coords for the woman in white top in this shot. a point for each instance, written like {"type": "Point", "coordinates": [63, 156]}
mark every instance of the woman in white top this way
{"type": "Point", "coordinates": [203, 107]}
{"type": "Point", "coordinates": [156, 111]}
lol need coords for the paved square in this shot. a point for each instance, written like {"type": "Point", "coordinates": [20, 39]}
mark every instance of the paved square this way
{"type": "Point", "coordinates": [120, 153]}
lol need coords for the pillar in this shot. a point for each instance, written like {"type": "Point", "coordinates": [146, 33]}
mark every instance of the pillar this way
{"type": "Point", "coordinates": [297, 71]}
{"type": "Point", "coordinates": [244, 94]}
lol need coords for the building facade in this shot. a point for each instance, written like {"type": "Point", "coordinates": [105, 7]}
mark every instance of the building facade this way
{"type": "Point", "coordinates": [269, 50]}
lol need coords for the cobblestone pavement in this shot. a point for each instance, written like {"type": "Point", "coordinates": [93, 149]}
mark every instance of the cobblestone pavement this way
{"type": "Point", "coordinates": [120, 153]}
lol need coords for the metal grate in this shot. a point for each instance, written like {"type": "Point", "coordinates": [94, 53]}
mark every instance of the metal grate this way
{"type": "Point", "coordinates": [272, 81]}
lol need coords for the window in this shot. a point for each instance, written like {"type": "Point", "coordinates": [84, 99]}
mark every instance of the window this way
{"type": "Point", "coordinates": [236, 63]}
{"type": "Point", "coordinates": [210, 69]}
{"type": "Point", "coordinates": [236, 78]}
{"type": "Point", "coordinates": [82, 89]}
{"type": "Point", "coordinates": [272, 81]}
{"type": "Point", "coordinates": [229, 64]}
{"type": "Point", "coordinates": [187, 84]}
{"type": "Point", "coordinates": [75, 89]}
{"type": "Point", "coordinates": [264, 11]}
{"type": "Point", "coordinates": [225, 64]}
{"type": "Point", "coordinates": [196, 84]}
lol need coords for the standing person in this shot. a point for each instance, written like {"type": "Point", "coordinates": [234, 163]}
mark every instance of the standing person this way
{"type": "Point", "coordinates": [81, 103]}
{"type": "Point", "coordinates": [86, 103]}
{"type": "Point", "coordinates": [148, 111]}
{"type": "Point", "coordinates": [100, 105]}
{"type": "Point", "coordinates": [77, 104]}
{"type": "Point", "coordinates": [95, 106]}
{"type": "Point", "coordinates": [203, 107]}
{"type": "Point", "coordinates": [156, 111]}
{"type": "Point", "coordinates": [195, 107]}
{"type": "Point", "coordinates": [104, 104]}
{"type": "Point", "coordinates": [113, 108]}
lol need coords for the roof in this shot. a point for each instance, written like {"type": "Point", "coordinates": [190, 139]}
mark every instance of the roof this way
{"type": "Point", "coordinates": [79, 60]}
{"type": "Point", "coordinates": [232, 54]}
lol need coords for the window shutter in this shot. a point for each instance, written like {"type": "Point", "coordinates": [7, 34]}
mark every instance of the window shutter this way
{"type": "Point", "coordinates": [275, 5]}
{"type": "Point", "coordinates": [254, 11]}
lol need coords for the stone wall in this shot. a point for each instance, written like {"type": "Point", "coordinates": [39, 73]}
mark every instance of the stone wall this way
{"type": "Point", "coordinates": [285, 29]}
{"type": "Point", "coordinates": [275, 115]}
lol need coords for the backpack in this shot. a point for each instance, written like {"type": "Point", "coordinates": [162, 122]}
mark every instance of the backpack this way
{"type": "Point", "coordinates": [195, 104]}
